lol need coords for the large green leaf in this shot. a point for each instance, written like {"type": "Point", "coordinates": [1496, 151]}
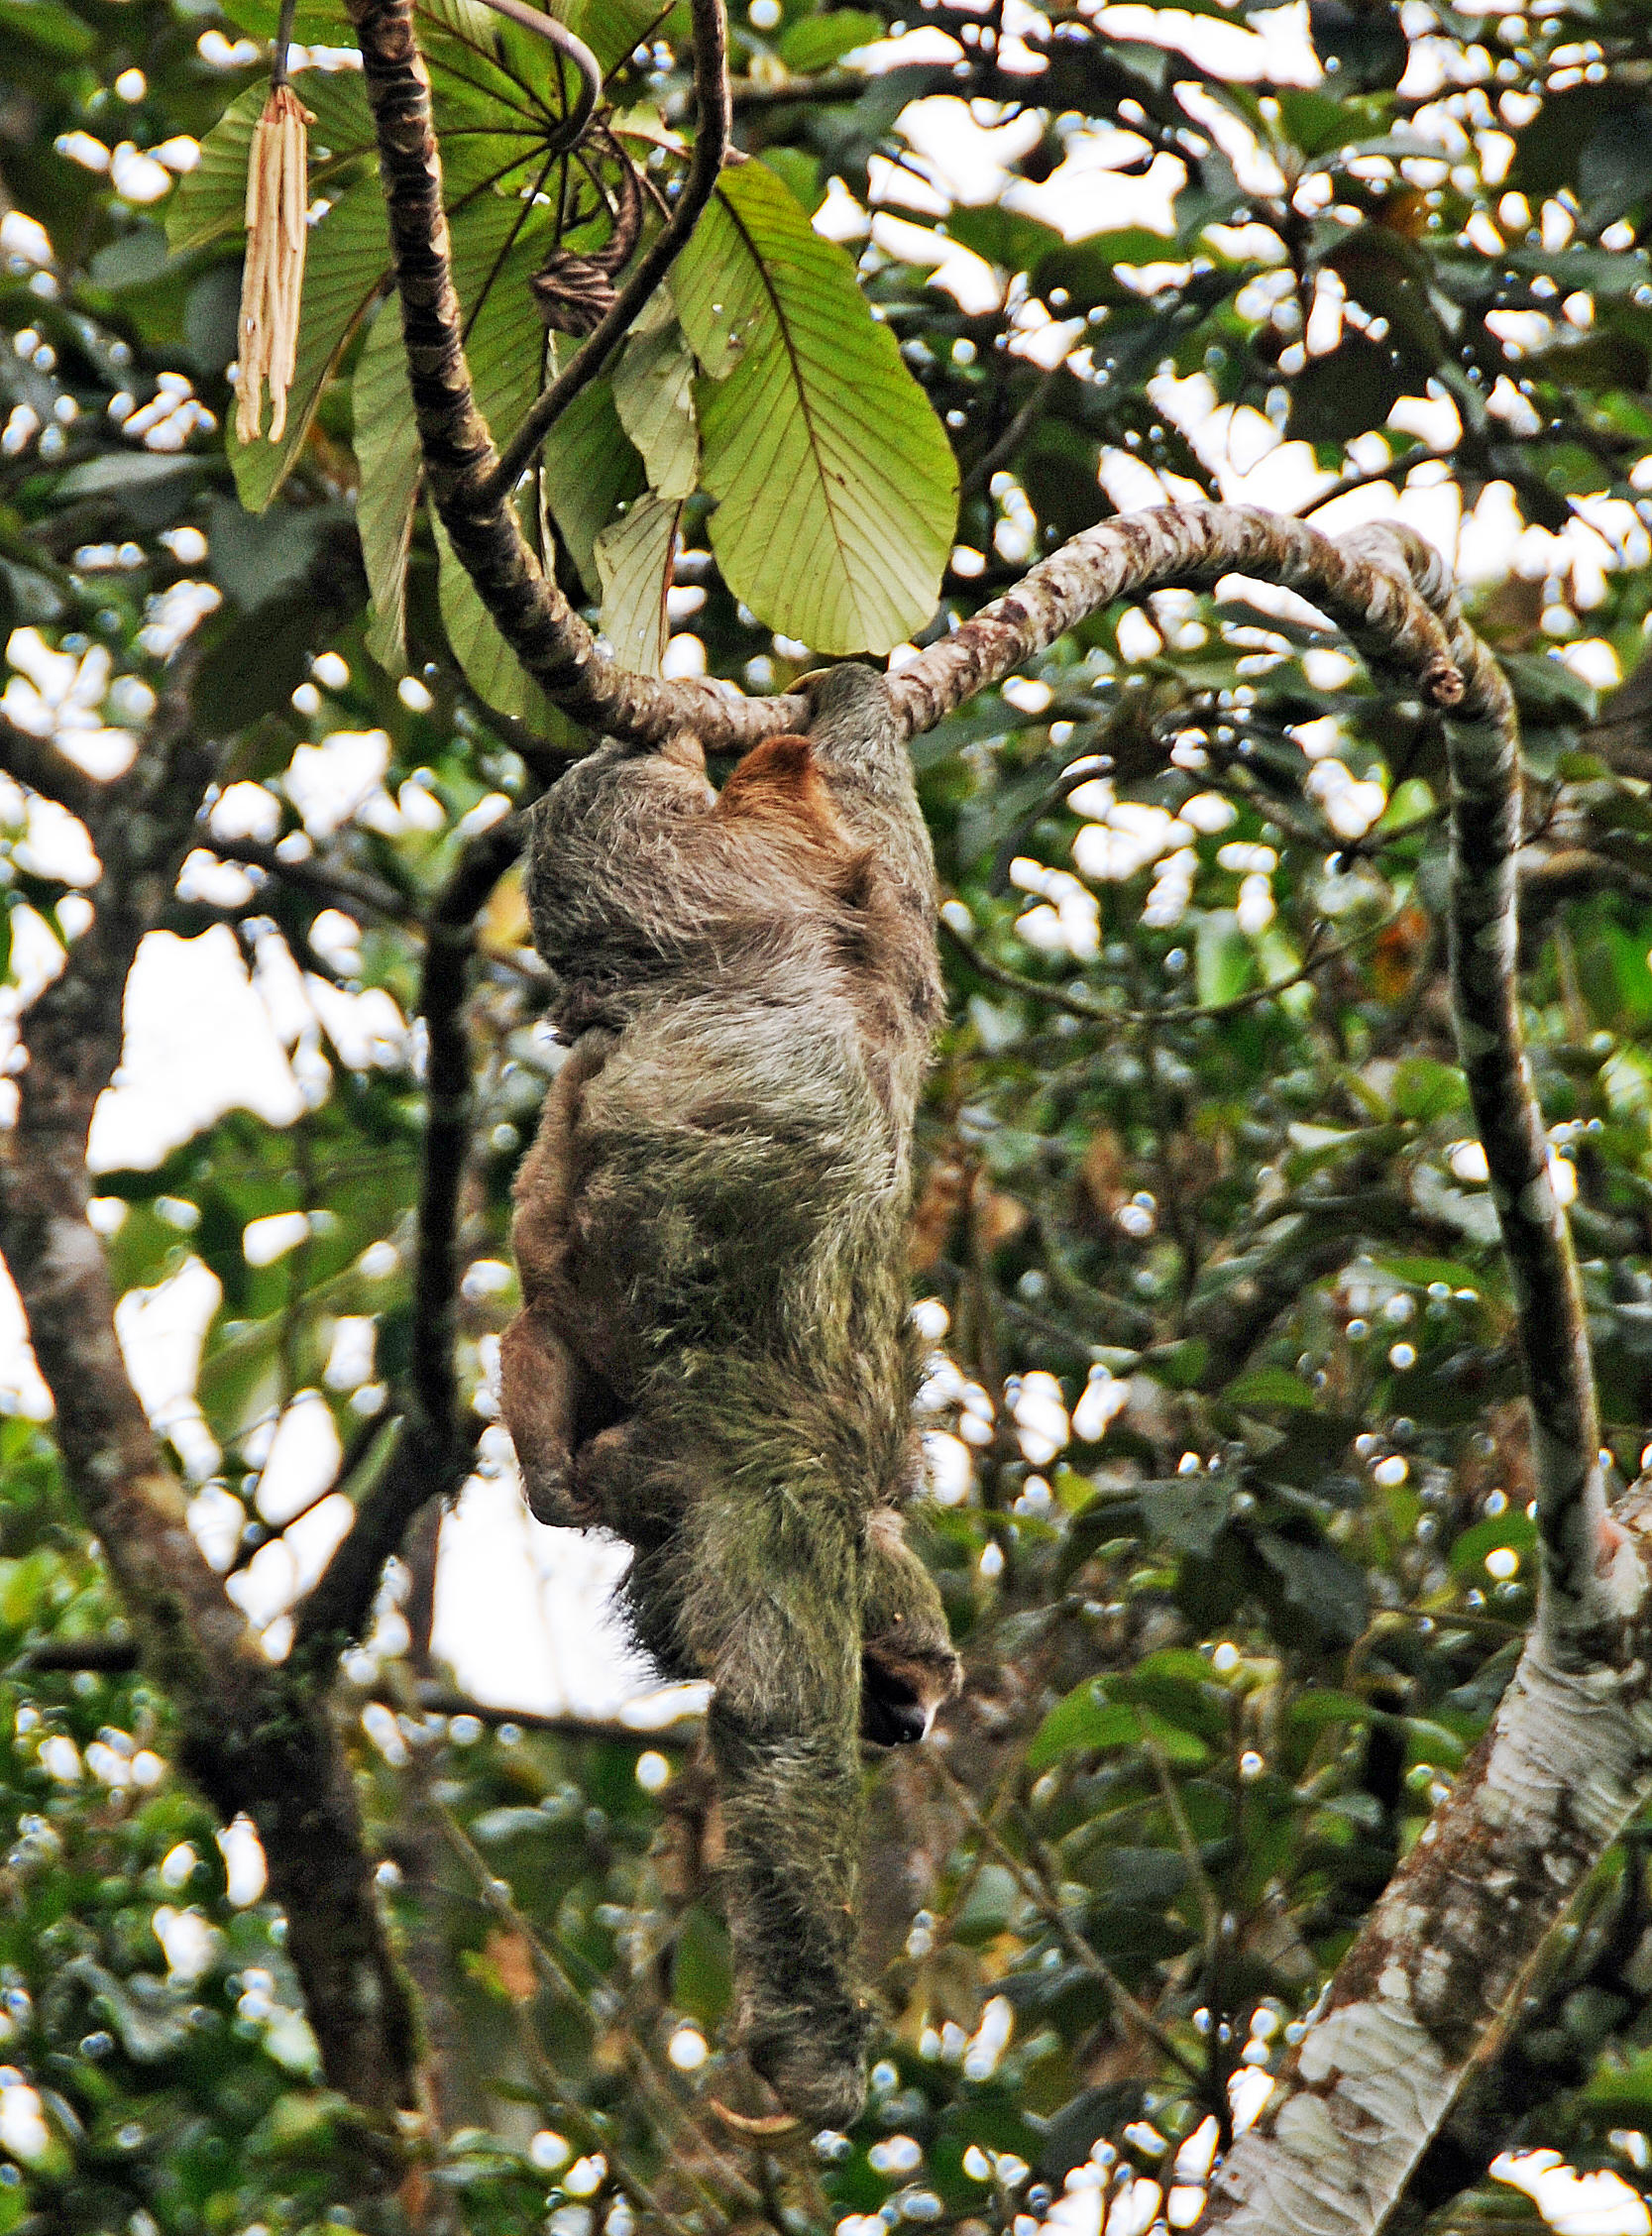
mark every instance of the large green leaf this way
{"type": "Point", "coordinates": [611, 28]}
{"type": "Point", "coordinates": [344, 268]}
{"type": "Point", "coordinates": [837, 487]}
{"type": "Point", "coordinates": [589, 466]}
{"type": "Point", "coordinates": [818, 42]}
{"type": "Point", "coordinates": [491, 668]}
{"type": "Point", "coordinates": [388, 454]}
{"type": "Point", "coordinates": [633, 557]}
{"type": "Point", "coordinates": [209, 204]}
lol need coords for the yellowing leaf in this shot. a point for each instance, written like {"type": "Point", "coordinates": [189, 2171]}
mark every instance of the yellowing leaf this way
{"type": "Point", "coordinates": [653, 394]}
{"type": "Point", "coordinates": [633, 557]}
{"type": "Point", "coordinates": [589, 466]}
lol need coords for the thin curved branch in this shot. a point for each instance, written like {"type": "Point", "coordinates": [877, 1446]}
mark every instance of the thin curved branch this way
{"type": "Point", "coordinates": [1176, 546]}
{"type": "Point", "coordinates": [36, 764]}
{"type": "Point", "coordinates": [710, 153]}
{"type": "Point", "coordinates": [433, 1450]}
{"type": "Point", "coordinates": [586, 69]}
{"type": "Point", "coordinates": [461, 464]}
{"type": "Point", "coordinates": [1182, 1013]}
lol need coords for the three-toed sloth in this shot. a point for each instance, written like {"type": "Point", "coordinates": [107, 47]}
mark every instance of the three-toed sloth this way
{"type": "Point", "coordinates": [713, 1357]}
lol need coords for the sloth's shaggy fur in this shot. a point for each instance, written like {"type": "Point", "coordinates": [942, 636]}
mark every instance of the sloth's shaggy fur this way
{"type": "Point", "coordinates": [713, 1357]}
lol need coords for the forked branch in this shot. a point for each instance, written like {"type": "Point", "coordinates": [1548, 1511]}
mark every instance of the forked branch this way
{"type": "Point", "coordinates": [471, 492]}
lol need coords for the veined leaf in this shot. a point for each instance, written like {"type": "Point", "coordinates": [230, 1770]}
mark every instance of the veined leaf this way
{"type": "Point", "coordinates": [495, 255]}
{"type": "Point", "coordinates": [611, 28]}
{"type": "Point", "coordinates": [388, 454]}
{"type": "Point", "coordinates": [653, 393]}
{"type": "Point", "coordinates": [210, 203]}
{"type": "Point", "coordinates": [633, 557]}
{"type": "Point", "coordinates": [491, 668]}
{"type": "Point", "coordinates": [837, 485]}
{"type": "Point", "coordinates": [344, 268]}
{"type": "Point", "coordinates": [496, 94]}
{"type": "Point", "coordinates": [504, 352]}
{"type": "Point", "coordinates": [591, 464]}
{"type": "Point", "coordinates": [818, 42]}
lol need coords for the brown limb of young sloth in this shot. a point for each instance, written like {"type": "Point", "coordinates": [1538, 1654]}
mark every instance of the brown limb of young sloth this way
{"type": "Point", "coordinates": [713, 1357]}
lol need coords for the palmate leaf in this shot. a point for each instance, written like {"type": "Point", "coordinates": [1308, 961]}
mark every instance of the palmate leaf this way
{"type": "Point", "coordinates": [837, 487]}
{"type": "Point", "coordinates": [209, 204]}
{"type": "Point", "coordinates": [505, 351]}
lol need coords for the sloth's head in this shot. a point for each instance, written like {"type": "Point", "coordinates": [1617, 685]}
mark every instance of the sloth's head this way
{"type": "Point", "coordinates": [900, 1690]}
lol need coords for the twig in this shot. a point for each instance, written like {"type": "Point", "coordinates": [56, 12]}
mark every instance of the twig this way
{"type": "Point", "coordinates": [746, 94]}
{"type": "Point", "coordinates": [352, 890]}
{"type": "Point", "coordinates": [496, 1896]}
{"type": "Point", "coordinates": [1125, 2005]}
{"type": "Point", "coordinates": [433, 1451]}
{"type": "Point", "coordinates": [684, 1732]}
{"type": "Point", "coordinates": [1378, 474]}
{"type": "Point", "coordinates": [1210, 1906]}
{"type": "Point", "coordinates": [978, 476]}
{"type": "Point", "coordinates": [1081, 1005]}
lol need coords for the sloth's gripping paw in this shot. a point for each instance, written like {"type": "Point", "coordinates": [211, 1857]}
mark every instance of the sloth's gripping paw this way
{"type": "Point", "coordinates": [547, 1485]}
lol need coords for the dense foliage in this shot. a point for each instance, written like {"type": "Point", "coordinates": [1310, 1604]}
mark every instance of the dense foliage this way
{"type": "Point", "coordinates": [1230, 1485]}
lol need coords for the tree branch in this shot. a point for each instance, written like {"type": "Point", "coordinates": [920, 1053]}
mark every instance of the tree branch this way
{"type": "Point", "coordinates": [1443, 1955]}
{"type": "Point", "coordinates": [461, 464]}
{"type": "Point", "coordinates": [1176, 546]}
{"type": "Point", "coordinates": [39, 767]}
{"type": "Point", "coordinates": [710, 153]}
{"type": "Point", "coordinates": [253, 1736]}
{"type": "Point", "coordinates": [433, 1451]}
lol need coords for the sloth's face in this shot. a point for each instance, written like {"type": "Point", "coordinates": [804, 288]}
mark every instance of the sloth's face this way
{"type": "Point", "coordinates": [898, 1697]}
